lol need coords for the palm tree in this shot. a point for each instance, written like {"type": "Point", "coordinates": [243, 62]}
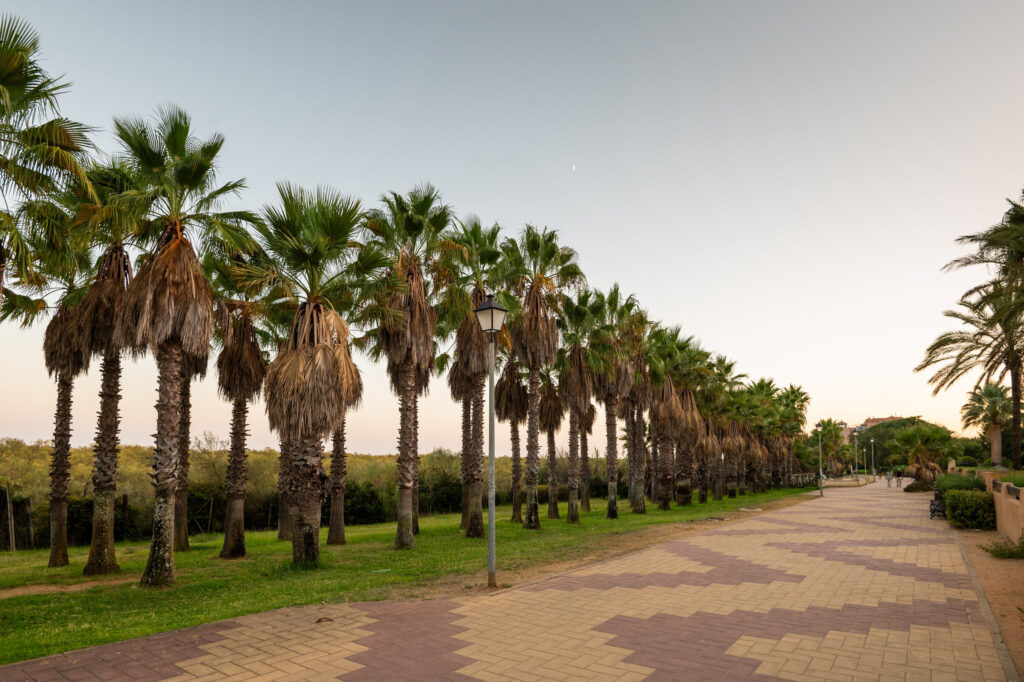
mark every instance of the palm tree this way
{"type": "Point", "coordinates": [39, 149]}
{"type": "Point", "coordinates": [612, 380]}
{"type": "Point", "coordinates": [309, 246]}
{"type": "Point", "coordinates": [539, 271]}
{"type": "Point", "coordinates": [587, 419]}
{"type": "Point", "coordinates": [168, 306]}
{"type": "Point", "coordinates": [192, 366]}
{"type": "Point", "coordinates": [991, 343]}
{"type": "Point", "coordinates": [551, 412]}
{"type": "Point", "coordinates": [510, 404]}
{"type": "Point", "coordinates": [63, 270]}
{"type": "Point", "coordinates": [988, 407]}
{"type": "Point", "coordinates": [410, 231]}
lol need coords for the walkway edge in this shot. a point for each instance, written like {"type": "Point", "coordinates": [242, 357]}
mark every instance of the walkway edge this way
{"type": "Point", "coordinates": [997, 637]}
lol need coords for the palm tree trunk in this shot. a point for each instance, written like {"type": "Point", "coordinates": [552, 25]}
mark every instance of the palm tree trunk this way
{"type": "Point", "coordinates": [584, 471]}
{"type": "Point", "coordinates": [666, 472]}
{"type": "Point", "coordinates": [159, 570]}
{"type": "Point", "coordinates": [631, 469]}
{"type": "Point", "coordinates": [638, 446]}
{"type": "Point", "coordinates": [1015, 371]}
{"type": "Point", "coordinates": [995, 436]}
{"type": "Point", "coordinates": [572, 515]}
{"type": "Point", "coordinates": [466, 457]}
{"type": "Point", "coordinates": [517, 474]}
{"type": "Point", "coordinates": [102, 559]}
{"type": "Point", "coordinates": [652, 463]}
{"type": "Point", "coordinates": [181, 490]}
{"type": "Point", "coordinates": [416, 466]}
{"type": "Point", "coordinates": [475, 518]}
{"type": "Point", "coordinates": [404, 538]}
{"type": "Point", "coordinates": [60, 473]}
{"type": "Point", "coordinates": [684, 468]}
{"type": "Point", "coordinates": [339, 474]}
{"type": "Point", "coordinates": [741, 483]}
{"type": "Point", "coordinates": [284, 505]}
{"type": "Point", "coordinates": [552, 477]}
{"type": "Point", "coordinates": [611, 457]}
{"type": "Point", "coordinates": [532, 520]}
{"type": "Point", "coordinates": [306, 491]}
{"type": "Point", "coordinates": [234, 519]}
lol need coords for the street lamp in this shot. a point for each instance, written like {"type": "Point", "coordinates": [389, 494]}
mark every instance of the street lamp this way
{"type": "Point", "coordinates": [856, 446]}
{"type": "Point", "coordinates": [491, 317]}
{"type": "Point", "coordinates": [821, 483]}
{"type": "Point", "coordinates": [873, 472]}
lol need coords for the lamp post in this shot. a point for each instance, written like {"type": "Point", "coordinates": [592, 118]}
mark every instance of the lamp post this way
{"type": "Point", "coordinates": [856, 467]}
{"type": "Point", "coordinates": [873, 472]}
{"type": "Point", "coordinates": [821, 483]}
{"type": "Point", "coordinates": [491, 317]}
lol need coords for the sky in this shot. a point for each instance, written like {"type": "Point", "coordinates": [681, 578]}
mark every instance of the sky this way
{"type": "Point", "coordinates": [785, 180]}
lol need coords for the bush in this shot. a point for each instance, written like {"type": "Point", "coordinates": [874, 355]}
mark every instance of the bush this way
{"type": "Point", "coordinates": [967, 461]}
{"type": "Point", "coordinates": [918, 486]}
{"type": "Point", "coordinates": [1015, 478]}
{"type": "Point", "coordinates": [363, 504]}
{"type": "Point", "coordinates": [947, 482]}
{"type": "Point", "coordinates": [970, 509]}
{"type": "Point", "coordinates": [1003, 549]}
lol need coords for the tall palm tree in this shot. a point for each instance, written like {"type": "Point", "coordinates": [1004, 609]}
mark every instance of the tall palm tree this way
{"type": "Point", "coordinates": [587, 419]}
{"type": "Point", "coordinates": [990, 342]}
{"type": "Point", "coordinates": [62, 273]}
{"type": "Point", "coordinates": [192, 367]}
{"type": "Point", "coordinates": [539, 270]}
{"type": "Point", "coordinates": [612, 380]}
{"type": "Point", "coordinates": [988, 408]}
{"type": "Point", "coordinates": [410, 231]}
{"type": "Point", "coordinates": [168, 306]}
{"type": "Point", "coordinates": [510, 404]}
{"type": "Point", "coordinates": [39, 149]}
{"type": "Point", "coordinates": [309, 244]}
{"type": "Point", "coordinates": [551, 413]}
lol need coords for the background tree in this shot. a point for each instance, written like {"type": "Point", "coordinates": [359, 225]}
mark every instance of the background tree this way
{"type": "Point", "coordinates": [551, 412]}
{"type": "Point", "coordinates": [988, 408]}
{"type": "Point", "coordinates": [510, 404]}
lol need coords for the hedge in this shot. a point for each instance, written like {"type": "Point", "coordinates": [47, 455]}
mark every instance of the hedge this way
{"type": "Point", "coordinates": [970, 509]}
{"type": "Point", "coordinates": [947, 482]}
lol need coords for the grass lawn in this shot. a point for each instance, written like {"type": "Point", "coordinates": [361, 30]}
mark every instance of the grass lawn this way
{"type": "Point", "coordinates": [367, 568]}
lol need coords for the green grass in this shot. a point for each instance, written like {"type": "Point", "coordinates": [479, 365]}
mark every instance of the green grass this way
{"type": "Point", "coordinates": [367, 568]}
{"type": "Point", "coordinates": [1014, 478]}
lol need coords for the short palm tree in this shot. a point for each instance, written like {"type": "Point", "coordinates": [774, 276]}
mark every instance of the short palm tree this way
{"type": "Point", "coordinates": [988, 407]}
{"type": "Point", "coordinates": [168, 307]}
{"type": "Point", "coordinates": [551, 413]}
{"type": "Point", "coordinates": [39, 149]}
{"type": "Point", "coordinates": [410, 231]}
{"type": "Point", "coordinates": [308, 241]}
{"type": "Point", "coordinates": [510, 404]}
{"type": "Point", "coordinates": [539, 271]}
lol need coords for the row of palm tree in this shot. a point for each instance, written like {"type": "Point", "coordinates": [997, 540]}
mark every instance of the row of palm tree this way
{"type": "Point", "coordinates": [286, 294]}
{"type": "Point", "coordinates": [988, 343]}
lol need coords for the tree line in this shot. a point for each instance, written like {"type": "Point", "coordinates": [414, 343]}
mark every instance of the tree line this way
{"type": "Point", "coordinates": [132, 252]}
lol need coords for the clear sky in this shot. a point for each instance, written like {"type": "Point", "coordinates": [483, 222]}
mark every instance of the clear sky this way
{"type": "Point", "coordinates": [783, 179]}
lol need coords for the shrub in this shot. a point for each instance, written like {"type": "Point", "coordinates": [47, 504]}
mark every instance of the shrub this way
{"type": "Point", "coordinates": [967, 461]}
{"type": "Point", "coordinates": [363, 504]}
{"type": "Point", "coordinates": [970, 509]}
{"type": "Point", "coordinates": [1015, 478]}
{"type": "Point", "coordinates": [918, 486]}
{"type": "Point", "coordinates": [1003, 549]}
{"type": "Point", "coordinates": [947, 482]}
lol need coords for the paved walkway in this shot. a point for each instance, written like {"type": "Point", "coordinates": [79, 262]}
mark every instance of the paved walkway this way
{"type": "Point", "coordinates": [813, 591]}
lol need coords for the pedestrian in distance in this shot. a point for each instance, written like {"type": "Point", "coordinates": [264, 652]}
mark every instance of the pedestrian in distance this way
{"type": "Point", "coordinates": [888, 478]}
{"type": "Point", "coordinates": [899, 478]}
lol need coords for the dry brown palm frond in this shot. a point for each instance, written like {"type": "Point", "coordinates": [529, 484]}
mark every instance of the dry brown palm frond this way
{"type": "Point", "coordinates": [168, 299]}
{"type": "Point", "coordinates": [510, 396]}
{"type": "Point", "coordinates": [65, 343]}
{"type": "Point", "coordinates": [732, 442]}
{"type": "Point", "coordinates": [460, 384]}
{"type": "Point", "coordinates": [471, 342]}
{"type": "Point", "coordinates": [587, 418]}
{"type": "Point", "coordinates": [666, 409]}
{"type": "Point", "coordinates": [618, 377]}
{"type": "Point", "coordinates": [690, 423]}
{"type": "Point", "coordinates": [412, 338]}
{"type": "Point", "coordinates": [241, 366]}
{"type": "Point", "coordinates": [551, 410]}
{"type": "Point", "coordinates": [640, 387]}
{"type": "Point", "coordinates": [535, 334]}
{"type": "Point", "coordinates": [100, 304]}
{"type": "Point", "coordinates": [707, 441]}
{"type": "Point", "coordinates": [575, 383]}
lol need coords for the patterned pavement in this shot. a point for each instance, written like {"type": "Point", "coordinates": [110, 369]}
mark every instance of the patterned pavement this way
{"type": "Point", "coordinates": [814, 591]}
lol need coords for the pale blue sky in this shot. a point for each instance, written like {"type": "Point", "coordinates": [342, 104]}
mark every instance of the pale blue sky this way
{"type": "Point", "coordinates": [762, 173]}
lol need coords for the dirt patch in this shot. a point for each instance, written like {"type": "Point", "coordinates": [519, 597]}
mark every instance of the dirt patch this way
{"type": "Point", "coordinates": [610, 547]}
{"type": "Point", "coordinates": [29, 590]}
{"type": "Point", "coordinates": [1001, 581]}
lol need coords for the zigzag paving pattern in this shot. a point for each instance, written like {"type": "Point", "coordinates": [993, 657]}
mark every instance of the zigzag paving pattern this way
{"type": "Point", "coordinates": [857, 585]}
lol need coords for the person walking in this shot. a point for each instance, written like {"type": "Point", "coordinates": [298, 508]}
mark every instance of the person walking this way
{"type": "Point", "coordinates": [899, 478]}
{"type": "Point", "coordinates": [888, 478]}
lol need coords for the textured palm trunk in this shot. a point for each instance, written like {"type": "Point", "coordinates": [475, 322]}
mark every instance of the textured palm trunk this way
{"type": "Point", "coordinates": [416, 466]}
{"type": "Point", "coordinates": [552, 477]}
{"type": "Point", "coordinates": [532, 519]}
{"type": "Point", "coordinates": [60, 473]}
{"type": "Point", "coordinates": [584, 472]}
{"type": "Point", "coordinates": [611, 457]}
{"type": "Point", "coordinates": [666, 470]}
{"type": "Point", "coordinates": [404, 538]}
{"type": "Point", "coordinates": [995, 437]}
{"type": "Point", "coordinates": [572, 515]}
{"type": "Point", "coordinates": [181, 489]}
{"type": "Point", "coordinates": [741, 482]}
{"type": "Point", "coordinates": [719, 476]}
{"type": "Point", "coordinates": [284, 506]}
{"type": "Point", "coordinates": [234, 519]}
{"type": "Point", "coordinates": [730, 476]}
{"type": "Point", "coordinates": [684, 471]}
{"type": "Point", "coordinates": [652, 468]}
{"type": "Point", "coordinates": [517, 474]}
{"type": "Point", "coordinates": [466, 457]}
{"type": "Point", "coordinates": [638, 445]}
{"type": "Point", "coordinates": [475, 518]}
{"type": "Point", "coordinates": [1015, 407]}
{"type": "Point", "coordinates": [306, 490]}
{"type": "Point", "coordinates": [702, 478]}
{"type": "Point", "coordinates": [631, 468]}
{"type": "Point", "coordinates": [102, 559]}
{"type": "Point", "coordinates": [339, 475]}
{"type": "Point", "coordinates": [159, 570]}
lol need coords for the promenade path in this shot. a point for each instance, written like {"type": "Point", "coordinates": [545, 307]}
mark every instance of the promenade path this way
{"type": "Point", "coordinates": [859, 584]}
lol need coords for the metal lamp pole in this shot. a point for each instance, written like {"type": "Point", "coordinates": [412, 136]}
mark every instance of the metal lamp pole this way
{"type": "Point", "coordinates": [821, 483]}
{"type": "Point", "coordinates": [873, 457]}
{"type": "Point", "coordinates": [856, 468]}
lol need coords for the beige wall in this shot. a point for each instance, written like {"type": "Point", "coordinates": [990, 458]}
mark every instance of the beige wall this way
{"type": "Point", "coordinates": [1009, 509]}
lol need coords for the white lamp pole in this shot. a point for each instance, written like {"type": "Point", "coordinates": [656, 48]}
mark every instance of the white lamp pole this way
{"type": "Point", "coordinates": [821, 483]}
{"type": "Point", "coordinates": [491, 317]}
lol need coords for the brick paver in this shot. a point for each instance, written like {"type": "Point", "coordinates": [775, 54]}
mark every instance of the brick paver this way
{"type": "Point", "coordinates": [857, 585]}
